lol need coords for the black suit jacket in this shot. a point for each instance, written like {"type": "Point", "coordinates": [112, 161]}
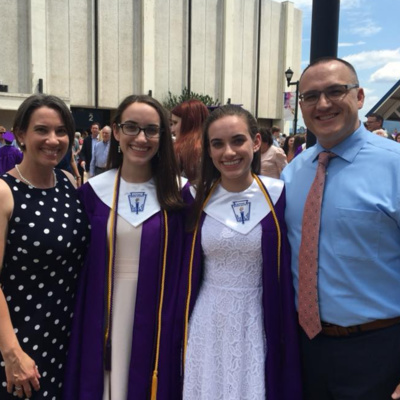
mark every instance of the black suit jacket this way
{"type": "Point", "coordinates": [86, 152]}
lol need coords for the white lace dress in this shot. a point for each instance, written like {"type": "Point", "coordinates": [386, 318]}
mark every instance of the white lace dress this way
{"type": "Point", "coordinates": [226, 347]}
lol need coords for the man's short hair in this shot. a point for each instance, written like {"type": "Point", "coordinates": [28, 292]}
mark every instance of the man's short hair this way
{"type": "Point", "coordinates": [378, 117]}
{"type": "Point", "coordinates": [324, 60]}
{"type": "Point", "coordinates": [275, 129]}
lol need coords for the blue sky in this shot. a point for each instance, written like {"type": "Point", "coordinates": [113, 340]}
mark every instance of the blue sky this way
{"type": "Point", "coordinates": [369, 38]}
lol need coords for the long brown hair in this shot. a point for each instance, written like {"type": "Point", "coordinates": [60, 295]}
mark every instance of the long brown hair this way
{"type": "Point", "coordinates": [209, 173]}
{"type": "Point", "coordinates": [164, 167]}
{"type": "Point", "coordinates": [188, 145]}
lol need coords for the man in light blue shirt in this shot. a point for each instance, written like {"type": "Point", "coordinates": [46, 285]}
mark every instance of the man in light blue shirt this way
{"type": "Point", "coordinates": [100, 153]}
{"type": "Point", "coordinates": [357, 353]}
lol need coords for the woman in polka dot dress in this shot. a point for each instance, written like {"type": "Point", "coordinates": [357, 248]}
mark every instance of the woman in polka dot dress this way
{"type": "Point", "coordinates": [43, 235]}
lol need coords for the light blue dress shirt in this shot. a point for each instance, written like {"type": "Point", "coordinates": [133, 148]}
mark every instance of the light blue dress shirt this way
{"type": "Point", "coordinates": [359, 247]}
{"type": "Point", "coordinates": [99, 156]}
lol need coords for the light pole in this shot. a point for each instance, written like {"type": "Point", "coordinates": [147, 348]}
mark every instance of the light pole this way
{"type": "Point", "coordinates": [289, 75]}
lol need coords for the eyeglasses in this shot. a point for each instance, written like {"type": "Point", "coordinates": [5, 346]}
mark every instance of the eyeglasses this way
{"type": "Point", "coordinates": [131, 129]}
{"type": "Point", "coordinates": [333, 93]}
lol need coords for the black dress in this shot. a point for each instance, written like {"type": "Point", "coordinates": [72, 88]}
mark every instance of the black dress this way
{"type": "Point", "coordinates": [46, 241]}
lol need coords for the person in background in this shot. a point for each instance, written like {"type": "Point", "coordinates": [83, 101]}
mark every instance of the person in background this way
{"type": "Point", "coordinates": [76, 147]}
{"type": "Point", "coordinates": [125, 343]}
{"type": "Point", "coordinates": [187, 121]}
{"type": "Point", "coordinates": [276, 133]}
{"type": "Point", "coordinates": [43, 236]}
{"type": "Point", "coordinates": [288, 148]}
{"type": "Point", "coordinates": [9, 155]}
{"type": "Point", "coordinates": [3, 130]}
{"type": "Point", "coordinates": [374, 122]}
{"type": "Point", "coordinates": [100, 153]}
{"type": "Point", "coordinates": [273, 159]}
{"type": "Point", "coordinates": [299, 144]}
{"type": "Point", "coordinates": [241, 339]}
{"type": "Point", "coordinates": [397, 138]}
{"type": "Point", "coordinates": [85, 156]}
{"type": "Point", "coordinates": [344, 235]}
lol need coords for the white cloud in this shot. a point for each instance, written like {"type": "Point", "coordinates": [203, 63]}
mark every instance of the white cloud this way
{"type": "Point", "coordinates": [348, 4]}
{"type": "Point", "coordinates": [388, 73]}
{"type": "Point", "coordinates": [347, 44]}
{"type": "Point", "coordinates": [367, 27]}
{"type": "Point", "coordinates": [373, 58]}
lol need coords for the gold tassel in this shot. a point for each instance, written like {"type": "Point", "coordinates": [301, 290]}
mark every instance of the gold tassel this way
{"type": "Point", "coordinates": [154, 383]}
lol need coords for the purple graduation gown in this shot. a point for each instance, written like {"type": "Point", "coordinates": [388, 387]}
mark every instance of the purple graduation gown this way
{"type": "Point", "coordinates": [282, 366]}
{"type": "Point", "coordinates": [85, 366]}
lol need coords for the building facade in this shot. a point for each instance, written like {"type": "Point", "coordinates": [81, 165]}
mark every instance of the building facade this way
{"type": "Point", "coordinates": [93, 53]}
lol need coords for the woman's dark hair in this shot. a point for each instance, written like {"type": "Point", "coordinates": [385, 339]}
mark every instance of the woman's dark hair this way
{"type": "Point", "coordinates": [164, 167]}
{"type": "Point", "coordinates": [285, 146]}
{"type": "Point", "coordinates": [209, 173]}
{"type": "Point", "coordinates": [188, 145]}
{"type": "Point", "coordinates": [32, 103]}
{"type": "Point", "coordinates": [266, 136]}
{"type": "Point", "coordinates": [299, 139]}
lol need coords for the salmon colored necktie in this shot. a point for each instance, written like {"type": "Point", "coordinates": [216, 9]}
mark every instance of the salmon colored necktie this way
{"type": "Point", "coordinates": [309, 318]}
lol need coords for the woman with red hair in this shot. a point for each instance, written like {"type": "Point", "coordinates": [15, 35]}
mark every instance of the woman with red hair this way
{"type": "Point", "coordinates": [186, 125]}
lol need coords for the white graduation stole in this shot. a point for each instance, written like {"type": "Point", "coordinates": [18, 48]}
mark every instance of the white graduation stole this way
{"type": "Point", "coordinates": [242, 211]}
{"type": "Point", "coordinates": [137, 201]}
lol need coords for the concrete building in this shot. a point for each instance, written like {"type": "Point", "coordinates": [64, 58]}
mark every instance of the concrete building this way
{"type": "Point", "coordinates": [93, 53]}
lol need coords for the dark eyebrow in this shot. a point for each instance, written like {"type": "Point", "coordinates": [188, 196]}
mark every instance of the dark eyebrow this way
{"type": "Point", "coordinates": [136, 123]}
{"type": "Point", "coordinates": [237, 136]}
{"type": "Point", "coordinates": [45, 126]}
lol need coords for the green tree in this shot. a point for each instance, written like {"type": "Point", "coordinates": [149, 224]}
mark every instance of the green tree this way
{"type": "Point", "coordinates": [173, 100]}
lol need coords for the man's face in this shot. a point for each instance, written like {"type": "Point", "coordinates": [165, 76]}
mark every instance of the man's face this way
{"type": "Point", "coordinates": [373, 124]}
{"type": "Point", "coordinates": [94, 129]}
{"type": "Point", "coordinates": [106, 133]}
{"type": "Point", "coordinates": [276, 134]}
{"type": "Point", "coordinates": [331, 121]}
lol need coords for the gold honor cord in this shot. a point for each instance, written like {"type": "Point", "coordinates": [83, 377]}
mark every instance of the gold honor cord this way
{"type": "Point", "coordinates": [111, 257]}
{"type": "Point", "coordinates": [278, 229]}
{"type": "Point", "coordinates": [154, 381]}
{"type": "Point", "coordinates": [193, 247]}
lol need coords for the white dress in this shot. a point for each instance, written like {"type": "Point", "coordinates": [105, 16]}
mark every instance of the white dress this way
{"type": "Point", "coordinates": [226, 346]}
{"type": "Point", "coordinates": [124, 300]}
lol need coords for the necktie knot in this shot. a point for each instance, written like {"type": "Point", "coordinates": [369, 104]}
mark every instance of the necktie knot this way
{"type": "Point", "coordinates": [324, 157]}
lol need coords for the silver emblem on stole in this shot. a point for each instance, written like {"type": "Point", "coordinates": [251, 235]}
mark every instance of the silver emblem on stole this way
{"type": "Point", "coordinates": [242, 210]}
{"type": "Point", "coordinates": [137, 200]}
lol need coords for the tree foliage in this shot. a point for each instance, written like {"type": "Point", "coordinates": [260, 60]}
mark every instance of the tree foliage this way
{"type": "Point", "coordinates": [173, 100]}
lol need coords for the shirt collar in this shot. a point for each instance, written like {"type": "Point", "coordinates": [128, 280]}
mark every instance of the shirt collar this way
{"type": "Point", "coordinates": [348, 148]}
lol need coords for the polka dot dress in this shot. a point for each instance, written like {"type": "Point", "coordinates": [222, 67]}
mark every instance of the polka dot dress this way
{"type": "Point", "coordinates": [46, 241]}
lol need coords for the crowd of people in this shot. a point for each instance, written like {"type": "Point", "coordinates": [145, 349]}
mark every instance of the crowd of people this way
{"type": "Point", "coordinates": [195, 255]}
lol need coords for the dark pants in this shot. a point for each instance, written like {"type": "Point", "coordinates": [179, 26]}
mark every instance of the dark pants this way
{"type": "Point", "coordinates": [361, 366]}
{"type": "Point", "coordinates": [98, 170]}
{"type": "Point", "coordinates": [81, 172]}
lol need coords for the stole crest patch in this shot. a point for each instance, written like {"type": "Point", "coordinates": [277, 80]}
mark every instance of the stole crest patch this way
{"type": "Point", "coordinates": [242, 210]}
{"type": "Point", "coordinates": [137, 201]}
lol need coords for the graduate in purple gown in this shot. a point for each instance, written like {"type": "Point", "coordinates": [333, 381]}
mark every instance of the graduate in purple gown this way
{"type": "Point", "coordinates": [240, 337]}
{"type": "Point", "coordinates": [124, 343]}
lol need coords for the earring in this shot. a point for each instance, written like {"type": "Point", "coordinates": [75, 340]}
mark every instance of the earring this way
{"type": "Point", "coordinates": [119, 149]}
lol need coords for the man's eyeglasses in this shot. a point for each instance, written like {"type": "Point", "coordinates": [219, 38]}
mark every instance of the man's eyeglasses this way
{"type": "Point", "coordinates": [333, 93]}
{"type": "Point", "coordinates": [131, 129]}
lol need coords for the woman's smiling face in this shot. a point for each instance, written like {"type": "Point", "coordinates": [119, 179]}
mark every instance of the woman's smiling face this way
{"type": "Point", "coordinates": [231, 149]}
